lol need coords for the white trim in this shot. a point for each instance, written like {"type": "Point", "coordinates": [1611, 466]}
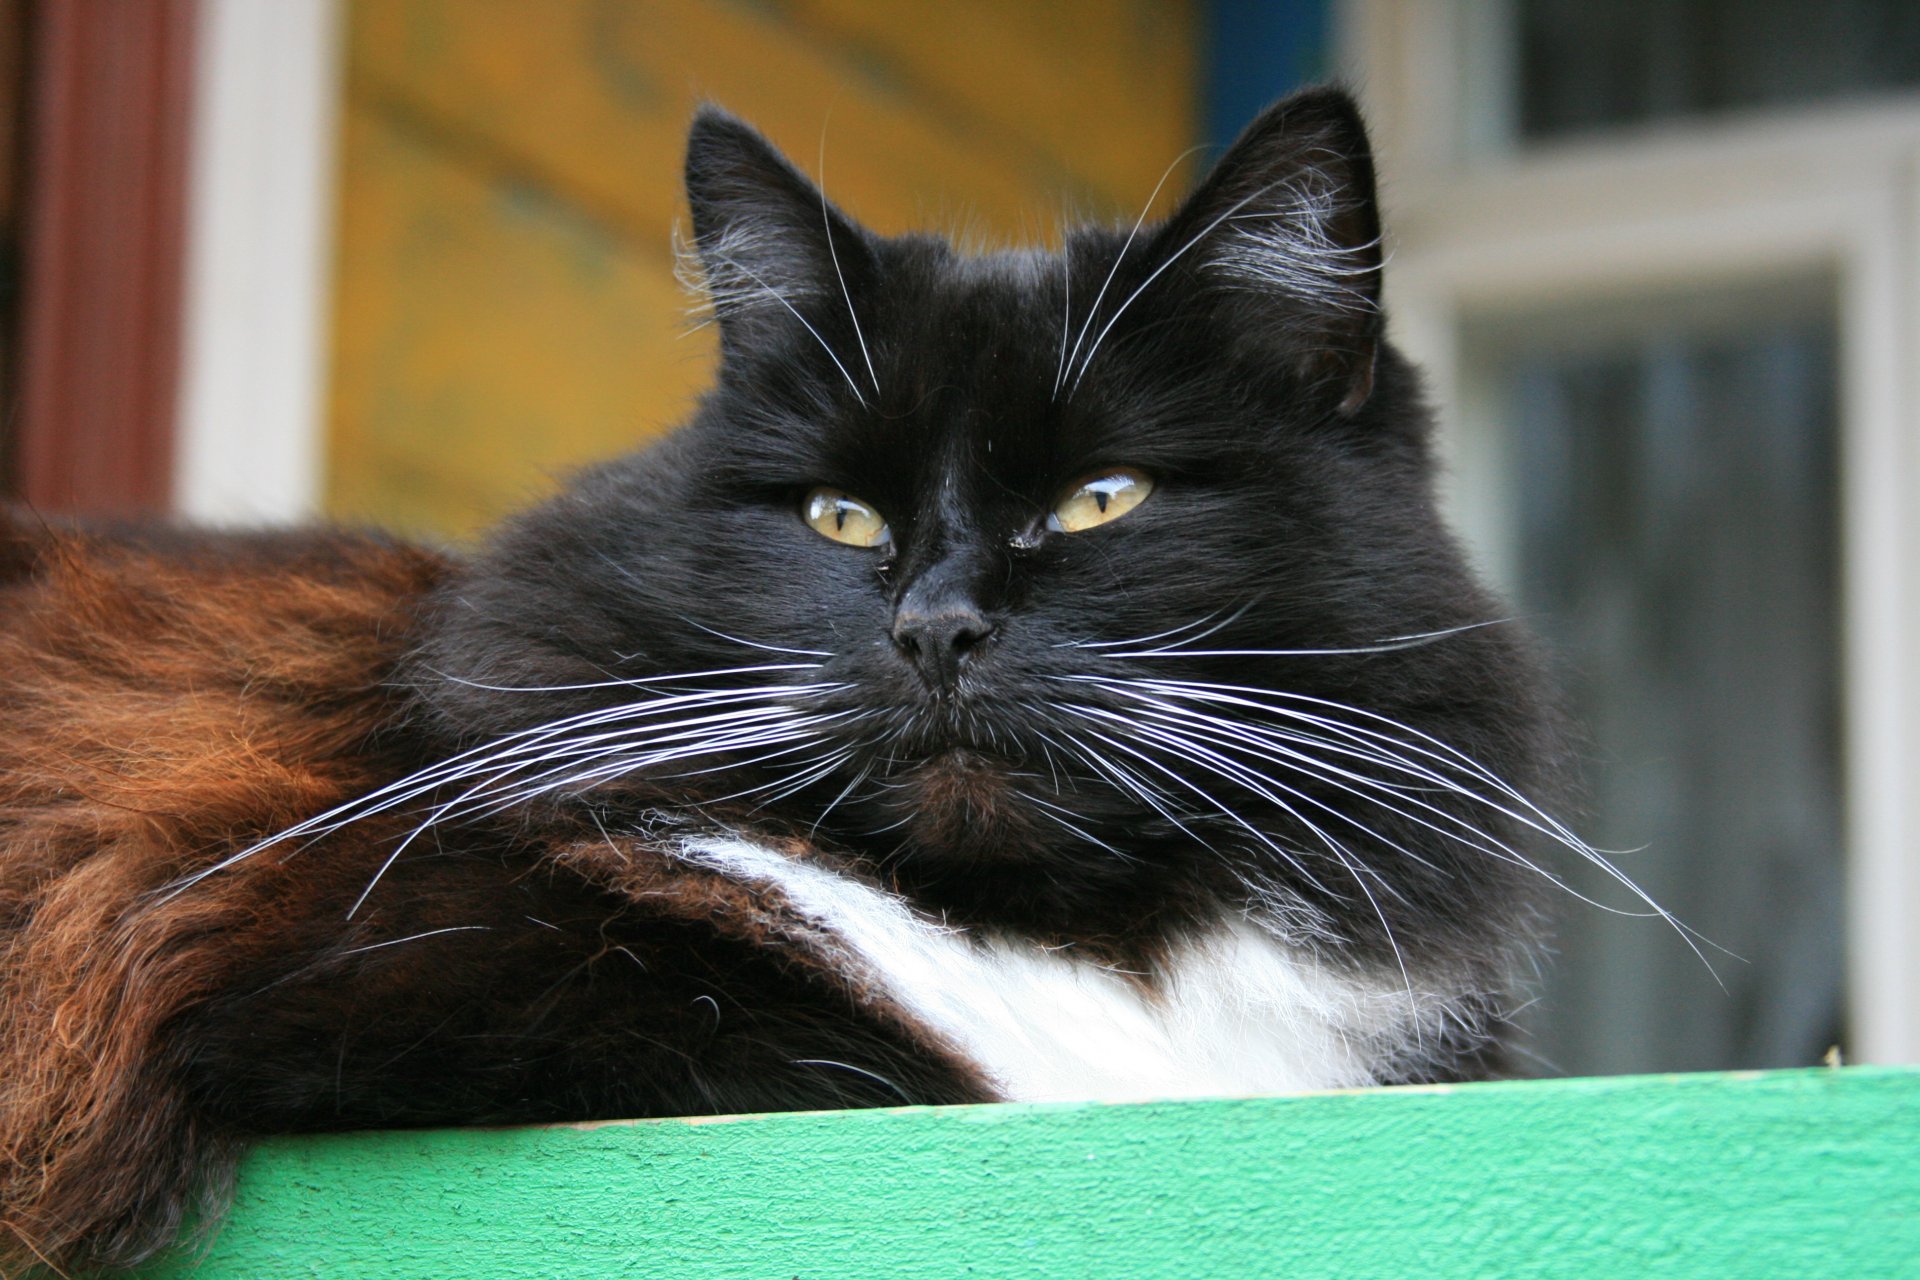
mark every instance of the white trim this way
{"type": "Point", "coordinates": [1882, 480]}
{"type": "Point", "coordinates": [259, 240]}
{"type": "Point", "coordinates": [1830, 190]}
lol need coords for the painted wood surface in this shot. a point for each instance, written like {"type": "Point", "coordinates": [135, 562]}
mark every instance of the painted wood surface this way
{"type": "Point", "coordinates": [506, 307]}
{"type": "Point", "coordinates": [1796, 1173]}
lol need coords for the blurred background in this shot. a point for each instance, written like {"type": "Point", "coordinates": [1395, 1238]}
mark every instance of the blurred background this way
{"type": "Point", "coordinates": [406, 261]}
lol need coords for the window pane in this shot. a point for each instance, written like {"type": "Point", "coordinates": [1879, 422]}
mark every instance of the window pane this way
{"type": "Point", "coordinates": [1585, 66]}
{"type": "Point", "coordinates": [1674, 539]}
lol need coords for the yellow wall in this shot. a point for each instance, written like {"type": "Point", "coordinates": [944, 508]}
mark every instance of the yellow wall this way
{"type": "Point", "coordinates": [506, 306]}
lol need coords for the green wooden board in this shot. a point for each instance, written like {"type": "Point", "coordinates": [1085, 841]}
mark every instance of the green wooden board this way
{"type": "Point", "coordinates": [1781, 1174]}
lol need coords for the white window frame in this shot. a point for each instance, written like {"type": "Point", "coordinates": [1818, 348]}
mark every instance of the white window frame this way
{"type": "Point", "coordinates": [259, 250]}
{"type": "Point", "coordinates": [1476, 227]}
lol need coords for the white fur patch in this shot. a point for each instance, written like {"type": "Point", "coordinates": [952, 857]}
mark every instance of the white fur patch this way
{"type": "Point", "coordinates": [1232, 1011]}
{"type": "Point", "coordinates": [1283, 244]}
{"type": "Point", "coordinates": [739, 270]}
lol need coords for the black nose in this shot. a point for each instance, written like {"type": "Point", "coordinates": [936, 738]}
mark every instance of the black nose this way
{"type": "Point", "coordinates": [938, 641]}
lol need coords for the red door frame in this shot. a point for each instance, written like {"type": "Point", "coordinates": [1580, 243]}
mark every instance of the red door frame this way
{"type": "Point", "coordinates": [109, 97]}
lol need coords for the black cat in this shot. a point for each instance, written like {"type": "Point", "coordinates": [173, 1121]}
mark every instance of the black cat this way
{"type": "Point", "coordinates": [1028, 676]}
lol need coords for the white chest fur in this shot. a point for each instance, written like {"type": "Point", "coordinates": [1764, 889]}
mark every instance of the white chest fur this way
{"type": "Point", "coordinates": [1232, 1011]}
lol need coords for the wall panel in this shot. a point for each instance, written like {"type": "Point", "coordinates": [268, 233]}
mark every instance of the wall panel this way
{"type": "Point", "coordinates": [506, 304]}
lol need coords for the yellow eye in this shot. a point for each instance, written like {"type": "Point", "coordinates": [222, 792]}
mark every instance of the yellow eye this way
{"type": "Point", "coordinates": [1105, 496]}
{"type": "Point", "coordinates": [844, 518]}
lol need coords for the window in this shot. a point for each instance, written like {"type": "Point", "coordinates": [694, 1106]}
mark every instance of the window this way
{"type": "Point", "coordinates": [1582, 67]}
{"type": "Point", "coordinates": [1676, 368]}
{"type": "Point", "coordinates": [1671, 465]}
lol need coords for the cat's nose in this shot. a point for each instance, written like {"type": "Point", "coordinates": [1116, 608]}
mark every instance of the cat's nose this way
{"type": "Point", "coordinates": [938, 640]}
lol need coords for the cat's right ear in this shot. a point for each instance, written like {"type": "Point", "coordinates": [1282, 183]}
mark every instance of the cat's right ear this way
{"type": "Point", "coordinates": [770, 248]}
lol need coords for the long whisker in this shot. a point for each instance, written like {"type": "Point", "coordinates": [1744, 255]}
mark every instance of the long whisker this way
{"type": "Point", "coordinates": [1484, 843]}
{"type": "Point", "coordinates": [504, 751]}
{"type": "Point", "coordinates": [1221, 808]}
{"type": "Point", "coordinates": [629, 754]}
{"type": "Point", "coordinates": [1063, 817]}
{"type": "Point", "coordinates": [1260, 784]}
{"type": "Point", "coordinates": [463, 806]}
{"type": "Point", "coordinates": [1511, 803]}
{"type": "Point", "coordinates": [1250, 697]}
{"type": "Point", "coordinates": [781, 298]}
{"type": "Point", "coordinates": [1197, 733]}
{"type": "Point", "coordinates": [1388, 645]}
{"type": "Point", "coordinates": [1118, 258]}
{"type": "Point", "coordinates": [1161, 635]}
{"type": "Point", "coordinates": [1356, 869]}
{"type": "Point", "coordinates": [866, 771]}
{"type": "Point", "coordinates": [800, 781]}
{"type": "Point", "coordinates": [509, 752]}
{"type": "Point", "coordinates": [1364, 788]}
{"type": "Point", "coordinates": [1132, 784]}
{"type": "Point", "coordinates": [826, 223]}
{"type": "Point", "coordinates": [622, 682]}
{"type": "Point", "coordinates": [754, 644]}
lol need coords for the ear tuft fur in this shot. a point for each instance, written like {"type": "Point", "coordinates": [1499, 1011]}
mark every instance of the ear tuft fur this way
{"type": "Point", "coordinates": [1289, 216]}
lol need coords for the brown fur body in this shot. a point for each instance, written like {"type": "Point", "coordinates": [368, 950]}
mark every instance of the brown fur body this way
{"type": "Point", "coordinates": [167, 700]}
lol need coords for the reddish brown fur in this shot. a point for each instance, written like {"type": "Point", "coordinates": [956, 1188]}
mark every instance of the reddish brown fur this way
{"type": "Point", "coordinates": [158, 708]}
{"type": "Point", "coordinates": [167, 700]}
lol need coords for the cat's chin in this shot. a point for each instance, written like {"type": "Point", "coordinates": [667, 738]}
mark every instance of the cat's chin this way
{"type": "Point", "coordinates": [967, 803]}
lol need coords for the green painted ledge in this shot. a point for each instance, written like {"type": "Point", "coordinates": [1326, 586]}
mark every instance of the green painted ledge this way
{"type": "Point", "coordinates": [1780, 1174]}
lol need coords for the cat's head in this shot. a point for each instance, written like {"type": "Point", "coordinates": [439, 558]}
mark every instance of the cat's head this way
{"type": "Point", "coordinates": [1085, 591]}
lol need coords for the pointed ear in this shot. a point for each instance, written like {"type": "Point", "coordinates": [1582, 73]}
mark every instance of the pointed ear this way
{"type": "Point", "coordinates": [1286, 230]}
{"type": "Point", "coordinates": [768, 244]}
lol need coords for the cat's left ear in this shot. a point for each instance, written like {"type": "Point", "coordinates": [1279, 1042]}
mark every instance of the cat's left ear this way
{"type": "Point", "coordinates": [774, 255]}
{"type": "Point", "coordinates": [1286, 230]}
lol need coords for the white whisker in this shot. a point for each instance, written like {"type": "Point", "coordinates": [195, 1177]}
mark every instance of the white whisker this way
{"type": "Point", "coordinates": [1225, 810]}
{"type": "Point", "coordinates": [1053, 813]}
{"type": "Point", "coordinates": [1356, 869]}
{"type": "Point", "coordinates": [1511, 803]}
{"type": "Point", "coordinates": [781, 298]}
{"type": "Point", "coordinates": [826, 222]}
{"type": "Point", "coordinates": [1161, 635]}
{"type": "Point", "coordinates": [415, 937]}
{"type": "Point", "coordinates": [619, 682]}
{"type": "Point", "coordinates": [1388, 645]}
{"type": "Point", "coordinates": [754, 644]}
{"type": "Point", "coordinates": [462, 806]}
{"type": "Point", "coordinates": [1118, 258]}
{"type": "Point", "coordinates": [528, 748]}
